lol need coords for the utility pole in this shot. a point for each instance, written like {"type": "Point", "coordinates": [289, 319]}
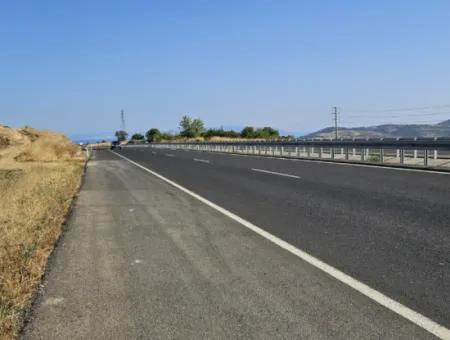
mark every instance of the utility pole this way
{"type": "Point", "coordinates": [335, 114]}
{"type": "Point", "coordinates": [122, 118]}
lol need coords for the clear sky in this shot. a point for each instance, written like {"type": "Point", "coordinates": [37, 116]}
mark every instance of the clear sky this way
{"type": "Point", "coordinates": [73, 65]}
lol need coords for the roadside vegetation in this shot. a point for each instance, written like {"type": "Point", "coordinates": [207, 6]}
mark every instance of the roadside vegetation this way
{"type": "Point", "coordinates": [40, 173]}
{"type": "Point", "coordinates": [194, 129]}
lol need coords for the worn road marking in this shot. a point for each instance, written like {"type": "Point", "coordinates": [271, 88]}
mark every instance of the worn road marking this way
{"type": "Point", "coordinates": [396, 307]}
{"type": "Point", "coordinates": [51, 301]}
{"type": "Point", "coordinates": [275, 173]}
{"type": "Point", "coordinates": [201, 160]}
{"type": "Point", "coordinates": [169, 155]}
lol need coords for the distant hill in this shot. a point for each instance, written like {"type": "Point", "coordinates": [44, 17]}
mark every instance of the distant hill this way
{"type": "Point", "coordinates": [441, 129]}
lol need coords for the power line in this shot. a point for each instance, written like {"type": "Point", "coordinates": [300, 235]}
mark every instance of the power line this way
{"type": "Point", "coordinates": [384, 122]}
{"type": "Point", "coordinates": [403, 115]}
{"type": "Point", "coordinates": [420, 108]}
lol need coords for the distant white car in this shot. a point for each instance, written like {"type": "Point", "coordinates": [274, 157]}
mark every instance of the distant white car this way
{"type": "Point", "coordinates": [116, 145]}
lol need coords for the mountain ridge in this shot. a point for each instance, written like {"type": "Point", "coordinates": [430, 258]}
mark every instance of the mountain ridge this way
{"type": "Point", "coordinates": [441, 129]}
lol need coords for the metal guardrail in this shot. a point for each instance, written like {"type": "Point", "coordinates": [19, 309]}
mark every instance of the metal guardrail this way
{"type": "Point", "coordinates": [419, 153]}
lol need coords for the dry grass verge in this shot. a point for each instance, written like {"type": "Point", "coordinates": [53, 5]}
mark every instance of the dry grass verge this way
{"type": "Point", "coordinates": [39, 177]}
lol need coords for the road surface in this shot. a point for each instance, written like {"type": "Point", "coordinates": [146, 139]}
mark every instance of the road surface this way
{"type": "Point", "coordinates": [141, 259]}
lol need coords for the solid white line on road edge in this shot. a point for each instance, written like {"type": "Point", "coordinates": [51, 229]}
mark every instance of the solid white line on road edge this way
{"type": "Point", "coordinates": [409, 314]}
{"type": "Point", "coordinates": [201, 160]}
{"type": "Point", "coordinates": [275, 173]}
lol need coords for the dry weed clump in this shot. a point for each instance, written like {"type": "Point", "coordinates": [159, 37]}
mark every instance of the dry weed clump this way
{"type": "Point", "coordinates": [34, 199]}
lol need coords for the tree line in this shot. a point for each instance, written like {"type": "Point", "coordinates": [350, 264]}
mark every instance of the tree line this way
{"type": "Point", "coordinates": [195, 128]}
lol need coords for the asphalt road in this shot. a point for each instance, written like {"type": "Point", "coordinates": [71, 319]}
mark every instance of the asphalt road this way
{"type": "Point", "coordinates": [387, 228]}
{"type": "Point", "coordinates": [141, 259]}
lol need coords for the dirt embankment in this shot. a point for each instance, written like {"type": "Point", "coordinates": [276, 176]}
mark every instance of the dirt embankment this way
{"type": "Point", "coordinates": [40, 172]}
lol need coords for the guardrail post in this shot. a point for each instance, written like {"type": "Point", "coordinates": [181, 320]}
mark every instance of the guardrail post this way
{"type": "Point", "coordinates": [346, 153]}
{"type": "Point", "coordinates": [308, 151]}
{"type": "Point", "coordinates": [435, 154]}
{"type": "Point", "coordinates": [332, 152]}
{"type": "Point", "coordinates": [297, 151]}
{"type": "Point", "coordinates": [402, 156]}
{"type": "Point", "coordinates": [363, 152]}
{"type": "Point", "coordinates": [415, 150]}
{"type": "Point", "coordinates": [381, 155]}
{"type": "Point", "coordinates": [320, 152]}
{"type": "Point", "coordinates": [425, 157]}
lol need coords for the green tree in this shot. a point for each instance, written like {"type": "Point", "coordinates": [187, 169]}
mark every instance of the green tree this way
{"type": "Point", "coordinates": [191, 127]}
{"type": "Point", "coordinates": [248, 132]}
{"type": "Point", "coordinates": [167, 136]}
{"type": "Point", "coordinates": [267, 133]}
{"type": "Point", "coordinates": [153, 135]}
{"type": "Point", "coordinates": [137, 136]}
{"type": "Point", "coordinates": [231, 134]}
{"type": "Point", "coordinates": [197, 127]}
{"type": "Point", "coordinates": [121, 135]}
{"type": "Point", "coordinates": [185, 126]}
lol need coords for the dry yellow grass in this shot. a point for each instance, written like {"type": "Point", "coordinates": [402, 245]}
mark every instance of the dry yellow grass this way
{"type": "Point", "coordinates": [40, 173]}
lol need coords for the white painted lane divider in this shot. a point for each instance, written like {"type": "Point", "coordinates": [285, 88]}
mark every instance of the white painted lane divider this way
{"type": "Point", "coordinates": [396, 307]}
{"type": "Point", "coordinates": [201, 160]}
{"type": "Point", "coordinates": [331, 162]}
{"type": "Point", "coordinates": [275, 173]}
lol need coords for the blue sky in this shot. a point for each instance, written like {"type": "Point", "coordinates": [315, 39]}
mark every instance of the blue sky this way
{"type": "Point", "coordinates": [73, 65]}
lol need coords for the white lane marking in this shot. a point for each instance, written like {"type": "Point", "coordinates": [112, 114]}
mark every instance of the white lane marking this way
{"type": "Point", "coordinates": [169, 155]}
{"type": "Point", "coordinates": [436, 172]}
{"type": "Point", "coordinates": [275, 173]}
{"type": "Point", "coordinates": [201, 160]}
{"type": "Point", "coordinates": [406, 312]}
